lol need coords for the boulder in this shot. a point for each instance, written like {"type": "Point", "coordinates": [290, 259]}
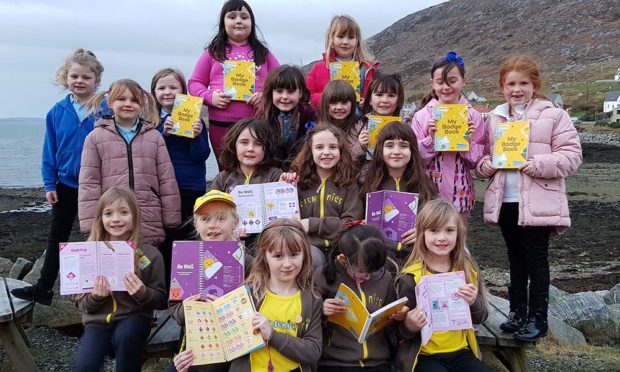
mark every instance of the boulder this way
{"type": "Point", "coordinates": [20, 268]}
{"type": "Point", "coordinates": [62, 311]}
{"type": "Point", "coordinates": [615, 320]}
{"type": "Point", "coordinates": [565, 334]}
{"type": "Point", "coordinates": [5, 266]}
{"type": "Point", "coordinates": [555, 293]}
{"type": "Point", "coordinates": [613, 296]}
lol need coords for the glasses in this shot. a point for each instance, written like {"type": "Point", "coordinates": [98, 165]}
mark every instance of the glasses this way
{"type": "Point", "coordinates": [359, 275]}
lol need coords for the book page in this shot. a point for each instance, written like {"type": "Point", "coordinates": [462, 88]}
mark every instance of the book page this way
{"type": "Point", "coordinates": [223, 267]}
{"type": "Point", "coordinates": [281, 201]}
{"type": "Point", "coordinates": [452, 127]}
{"type": "Point", "coordinates": [449, 311]}
{"type": "Point", "coordinates": [348, 71]}
{"type": "Point", "coordinates": [356, 314]}
{"type": "Point", "coordinates": [201, 333]}
{"type": "Point", "coordinates": [185, 272]}
{"type": "Point", "coordinates": [116, 259]}
{"type": "Point", "coordinates": [422, 301]}
{"type": "Point", "coordinates": [510, 148]}
{"type": "Point", "coordinates": [381, 318]}
{"type": "Point", "coordinates": [239, 77]}
{"type": "Point", "coordinates": [78, 267]}
{"type": "Point", "coordinates": [375, 124]}
{"type": "Point", "coordinates": [185, 112]}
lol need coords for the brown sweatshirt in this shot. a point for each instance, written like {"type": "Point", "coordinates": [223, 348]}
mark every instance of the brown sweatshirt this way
{"type": "Point", "coordinates": [119, 305]}
{"type": "Point", "coordinates": [328, 208]}
{"type": "Point", "coordinates": [226, 181]}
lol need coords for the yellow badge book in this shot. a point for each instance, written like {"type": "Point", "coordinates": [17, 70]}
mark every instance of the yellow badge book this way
{"type": "Point", "coordinates": [375, 124]}
{"type": "Point", "coordinates": [511, 144]}
{"type": "Point", "coordinates": [185, 112]}
{"type": "Point", "coordinates": [221, 330]}
{"type": "Point", "coordinates": [348, 71]}
{"type": "Point", "coordinates": [357, 320]}
{"type": "Point", "coordinates": [239, 78]}
{"type": "Point", "coordinates": [452, 127]}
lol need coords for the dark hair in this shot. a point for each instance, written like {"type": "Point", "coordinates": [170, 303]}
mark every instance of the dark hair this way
{"type": "Point", "coordinates": [338, 91]}
{"type": "Point", "coordinates": [385, 84]}
{"type": "Point", "coordinates": [259, 130]}
{"type": "Point", "coordinates": [447, 67]}
{"type": "Point", "coordinates": [169, 71]}
{"type": "Point", "coordinates": [414, 176]}
{"type": "Point", "coordinates": [284, 77]}
{"type": "Point", "coordinates": [364, 246]}
{"type": "Point", "coordinates": [219, 44]}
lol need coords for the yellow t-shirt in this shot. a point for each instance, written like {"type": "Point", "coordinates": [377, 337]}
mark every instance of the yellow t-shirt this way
{"type": "Point", "coordinates": [445, 342]}
{"type": "Point", "coordinates": [284, 313]}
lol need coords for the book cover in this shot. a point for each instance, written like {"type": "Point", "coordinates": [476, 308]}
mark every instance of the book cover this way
{"type": "Point", "coordinates": [82, 262]}
{"type": "Point", "coordinates": [357, 320]}
{"type": "Point", "coordinates": [393, 212]}
{"type": "Point", "coordinates": [221, 330]}
{"type": "Point", "coordinates": [349, 72]}
{"type": "Point", "coordinates": [511, 144]}
{"type": "Point", "coordinates": [375, 124]}
{"type": "Point", "coordinates": [445, 310]}
{"type": "Point", "coordinates": [239, 79]}
{"type": "Point", "coordinates": [185, 112]}
{"type": "Point", "coordinates": [260, 203]}
{"type": "Point", "coordinates": [452, 127]}
{"type": "Point", "coordinates": [205, 267]}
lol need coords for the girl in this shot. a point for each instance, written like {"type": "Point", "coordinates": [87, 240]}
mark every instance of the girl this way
{"type": "Point", "coordinates": [289, 311]}
{"type": "Point", "coordinates": [123, 150]}
{"type": "Point", "coordinates": [236, 39]}
{"type": "Point", "coordinates": [287, 111]}
{"type": "Point", "coordinates": [328, 194]}
{"type": "Point", "coordinates": [450, 171]}
{"type": "Point", "coordinates": [397, 158]}
{"type": "Point", "coordinates": [119, 323]}
{"type": "Point", "coordinates": [385, 96]}
{"type": "Point", "coordinates": [440, 248]}
{"type": "Point", "coordinates": [338, 107]}
{"type": "Point", "coordinates": [67, 125]}
{"type": "Point", "coordinates": [359, 265]}
{"type": "Point", "coordinates": [530, 204]}
{"type": "Point", "coordinates": [343, 42]}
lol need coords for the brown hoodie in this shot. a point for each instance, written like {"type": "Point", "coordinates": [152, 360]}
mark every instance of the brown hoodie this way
{"type": "Point", "coordinates": [226, 181]}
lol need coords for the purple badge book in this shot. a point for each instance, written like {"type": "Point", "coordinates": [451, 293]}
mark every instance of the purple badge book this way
{"type": "Point", "coordinates": [205, 267]}
{"type": "Point", "coordinates": [393, 212]}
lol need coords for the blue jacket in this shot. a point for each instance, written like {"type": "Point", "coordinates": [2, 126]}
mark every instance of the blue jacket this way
{"type": "Point", "coordinates": [62, 147]}
{"type": "Point", "coordinates": [188, 157]}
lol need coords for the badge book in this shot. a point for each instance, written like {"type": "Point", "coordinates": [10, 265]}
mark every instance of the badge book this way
{"type": "Point", "coordinates": [393, 212]}
{"type": "Point", "coordinates": [511, 144]}
{"type": "Point", "coordinates": [185, 112]}
{"type": "Point", "coordinates": [221, 330]}
{"type": "Point", "coordinates": [82, 262]}
{"type": "Point", "coordinates": [349, 72]}
{"type": "Point", "coordinates": [445, 310]}
{"type": "Point", "coordinates": [375, 124]}
{"type": "Point", "coordinates": [357, 320]}
{"type": "Point", "coordinates": [213, 267]}
{"type": "Point", "coordinates": [452, 127]}
{"type": "Point", "coordinates": [239, 79]}
{"type": "Point", "coordinates": [262, 202]}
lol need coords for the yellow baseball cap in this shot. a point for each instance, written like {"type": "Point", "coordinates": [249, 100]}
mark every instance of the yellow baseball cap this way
{"type": "Point", "coordinates": [214, 195]}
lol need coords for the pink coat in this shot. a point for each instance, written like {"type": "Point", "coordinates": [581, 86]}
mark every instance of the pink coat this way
{"type": "Point", "coordinates": [106, 163]}
{"type": "Point", "coordinates": [556, 152]}
{"type": "Point", "coordinates": [450, 170]}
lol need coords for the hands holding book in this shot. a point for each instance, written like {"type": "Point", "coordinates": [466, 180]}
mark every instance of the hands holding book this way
{"type": "Point", "coordinates": [415, 319]}
{"type": "Point", "coordinates": [332, 306]}
{"type": "Point", "coordinates": [183, 360]}
{"type": "Point", "coordinates": [101, 289]}
{"type": "Point", "coordinates": [364, 138]}
{"type": "Point", "coordinates": [263, 325]}
{"type": "Point", "coordinates": [468, 292]}
{"type": "Point", "coordinates": [220, 99]}
{"type": "Point", "coordinates": [528, 168]}
{"type": "Point", "coordinates": [135, 286]}
{"type": "Point", "coordinates": [408, 237]}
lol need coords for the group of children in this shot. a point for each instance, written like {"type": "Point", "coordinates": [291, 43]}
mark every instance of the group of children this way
{"type": "Point", "coordinates": [109, 158]}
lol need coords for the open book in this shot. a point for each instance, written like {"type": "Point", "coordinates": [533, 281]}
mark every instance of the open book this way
{"type": "Point", "coordinates": [375, 125]}
{"type": "Point", "coordinates": [349, 72]}
{"type": "Point", "coordinates": [203, 268]}
{"type": "Point", "coordinates": [82, 262]}
{"type": "Point", "coordinates": [452, 127]}
{"type": "Point", "coordinates": [185, 112]}
{"type": "Point", "coordinates": [444, 308]}
{"type": "Point", "coordinates": [262, 202]}
{"type": "Point", "coordinates": [511, 144]}
{"type": "Point", "coordinates": [239, 79]}
{"type": "Point", "coordinates": [221, 330]}
{"type": "Point", "coordinates": [357, 319]}
{"type": "Point", "coordinates": [393, 212]}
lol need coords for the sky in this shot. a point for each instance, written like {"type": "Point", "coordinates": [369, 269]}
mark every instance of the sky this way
{"type": "Point", "coordinates": [135, 38]}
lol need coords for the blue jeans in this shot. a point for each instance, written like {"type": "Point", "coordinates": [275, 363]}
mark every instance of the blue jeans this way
{"type": "Point", "coordinates": [124, 339]}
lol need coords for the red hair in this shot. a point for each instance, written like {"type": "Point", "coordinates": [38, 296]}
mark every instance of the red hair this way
{"type": "Point", "coordinates": [525, 65]}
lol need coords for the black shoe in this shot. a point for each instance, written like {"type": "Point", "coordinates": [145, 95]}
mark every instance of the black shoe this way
{"type": "Point", "coordinates": [534, 329]}
{"type": "Point", "coordinates": [515, 321]}
{"type": "Point", "coordinates": [34, 293]}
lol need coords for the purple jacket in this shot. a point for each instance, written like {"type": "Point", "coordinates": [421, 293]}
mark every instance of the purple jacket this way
{"type": "Point", "coordinates": [556, 152]}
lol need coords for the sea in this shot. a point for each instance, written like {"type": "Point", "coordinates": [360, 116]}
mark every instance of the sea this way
{"type": "Point", "coordinates": [21, 143]}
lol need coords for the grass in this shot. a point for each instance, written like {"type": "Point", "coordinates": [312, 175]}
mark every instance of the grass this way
{"type": "Point", "coordinates": [599, 129]}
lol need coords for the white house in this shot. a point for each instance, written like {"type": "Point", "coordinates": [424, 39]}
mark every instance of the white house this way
{"type": "Point", "coordinates": [612, 100]}
{"type": "Point", "coordinates": [556, 98]}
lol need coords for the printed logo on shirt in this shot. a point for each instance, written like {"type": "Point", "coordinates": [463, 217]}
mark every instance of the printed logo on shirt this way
{"type": "Point", "coordinates": [375, 300]}
{"type": "Point", "coordinates": [284, 326]}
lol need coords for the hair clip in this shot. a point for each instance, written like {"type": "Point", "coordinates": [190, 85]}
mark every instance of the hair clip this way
{"type": "Point", "coordinates": [353, 223]}
{"type": "Point", "coordinates": [454, 57]}
{"type": "Point", "coordinates": [309, 126]}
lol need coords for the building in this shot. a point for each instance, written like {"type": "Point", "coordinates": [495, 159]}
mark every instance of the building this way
{"type": "Point", "coordinates": [556, 98]}
{"type": "Point", "coordinates": [612, 100]}
{"type": "Point", "coordinates": [615, 115]}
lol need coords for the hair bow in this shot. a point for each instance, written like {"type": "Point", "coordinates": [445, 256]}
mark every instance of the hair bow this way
{"type": "Point", "coordinates": [454, 57]}
{"type": "Point", "coordinates": [309, 126]}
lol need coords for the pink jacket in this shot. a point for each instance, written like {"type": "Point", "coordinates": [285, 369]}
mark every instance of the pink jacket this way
{"type": "Point", "coordinates": [318, 78]}
{"type": "Point", "coordinates": [208, 76]}
{"type": "Point", "coordinates": [144, 166]}
{"type": "Point", "coordinates": [450, 170]}
{"type": "Point", "coordinates": [556, 152]}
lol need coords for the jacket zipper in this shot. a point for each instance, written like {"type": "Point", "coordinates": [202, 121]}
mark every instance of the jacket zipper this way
{"type": "Point", "coordinates": [129, 153]}
{"type": "Point", "coordinates": [364, 344]}
{"type": "Point", "coordinates": [322, 206]}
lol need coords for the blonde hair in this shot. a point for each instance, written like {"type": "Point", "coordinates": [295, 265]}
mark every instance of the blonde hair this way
{"type": "Point", "coordinates": [231, 211]}
{"type": "Point", "coordinates": [168, 71]}
{"type": "Point", "coordinates": [283, 234]}
{"type": "Point", "coordinates": [83, 57]}
{"type": "Point", "coordinates": [345, 24]}
{"type": "Point", "coordinates": [145, 99]}
{"type": "Point", "coordinates": [98, 232]}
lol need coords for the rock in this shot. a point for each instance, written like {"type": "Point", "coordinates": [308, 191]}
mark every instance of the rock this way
{"type": "Point", "coordinates": [555, 293]}
{"type": "Point", "coordinates": [62, 312]}
{"type": "Point", "coordinates": [20, 268]}
{"type": "Point", "coordinates": [565, 334]}
{"type": "Point", "coordinates": [615, 319]}
{"type": "Point", "coordinates": [613, 296]}
{"type": "Point", "coordinates": [589, 314]}
{"type": "Point", "coordinates": [5, 266]}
